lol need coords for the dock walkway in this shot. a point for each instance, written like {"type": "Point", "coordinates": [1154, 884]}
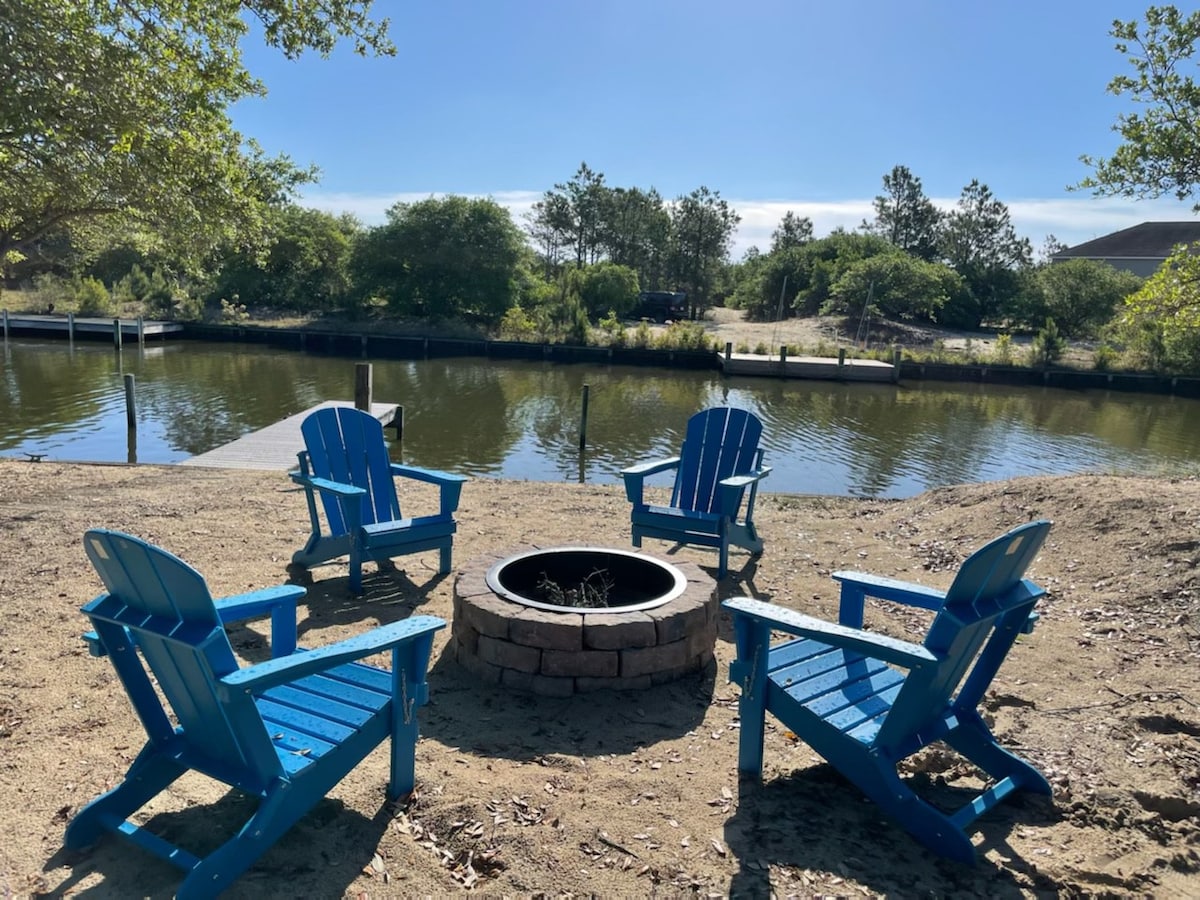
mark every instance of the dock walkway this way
{"type": "Point", "coordinates": [275, 447]}
{"type": "Point", "coordinates": [84, 326]}
{"type": "Point", "coordinates": [807, 367]}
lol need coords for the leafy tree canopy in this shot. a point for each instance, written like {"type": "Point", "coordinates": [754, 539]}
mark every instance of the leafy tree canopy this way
{"type": "Point", "coordinates": [905, 216]}
{"type": "Point", "coordinates": [1160, 149]}
{"type": "Point", "coordinates": [793, 231]}
{"type": "Point", "coordinates": [702, 225]}
{"type": "Point", "coordinates": [447, 258]}
{"type": "Point", "coordinates": [1170, 298]}
{"type": "Point", "coordinates": [895, 285]}
{"type": "Point", "coordinates": [118, 108]}
{"type": "Point", "coordinates": [1081, 295]}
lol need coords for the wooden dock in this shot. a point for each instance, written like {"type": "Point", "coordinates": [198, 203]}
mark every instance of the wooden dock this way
{"type": "Point", "coordinates": [89, 327]}
{"type": "Point", "coordinates": [275, 447]}
{"type": "Point", "coordinates": [807, 367]}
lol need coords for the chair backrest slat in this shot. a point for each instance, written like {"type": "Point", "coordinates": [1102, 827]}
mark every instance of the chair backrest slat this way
{"type": "Point", "coordinates": [165, 606]}
{"type": "Point", "coordinates": [718, 443]}
{"type": "Point", "coordinates": [988, 589]}
{"type": "Point", "coordinates": [346, 445]}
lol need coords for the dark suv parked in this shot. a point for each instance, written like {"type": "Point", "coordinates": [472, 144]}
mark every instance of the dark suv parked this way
{"type": "Point", "coordinates": [661, 306]}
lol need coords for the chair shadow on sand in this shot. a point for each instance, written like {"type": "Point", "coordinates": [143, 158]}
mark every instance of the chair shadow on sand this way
{"type": "Point", "coordinates": [331, 840]}
{"type": "Point", "coordinates": [815, 819]}
{"type": "Point", "coordinates": [389, 595]}
{"type": "Point", "coordinates": [519, 726]}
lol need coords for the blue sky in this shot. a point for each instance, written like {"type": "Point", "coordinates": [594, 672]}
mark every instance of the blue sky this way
{"type": "Point", "coordinates": [776, 104]}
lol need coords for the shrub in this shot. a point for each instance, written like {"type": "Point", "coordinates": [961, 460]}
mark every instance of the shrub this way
{"type": "Point", "coordinates": [684, 336]}
{"type": "Point", "coordinates": [1047, 347]}
{"type": "Point", "coordinates": [517, 325]}
{"type": "Point", "coordinates": [615, 329]}
{"type": "Point", "coordinates": [1104, 359]}
{"type": "Point", "coordinates": [642, 337]}
{"type": "Point", "coordinates": [1002, 353]}
{"type": "Point", "coordinates": [233, 312]}
{"type": "Point", "coordinates": [761, 349]}
{"type": "Point", "coordinates": [92, 297]}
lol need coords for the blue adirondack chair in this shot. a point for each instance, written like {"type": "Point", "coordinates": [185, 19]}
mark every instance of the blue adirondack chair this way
{"type": "Point", "coordinates": [843, 692]}
{"type": "Point", "coordinates": [719, 466]}
{"type": "Point", "coordinates": [286, 730]}
{"type": "Point", "coordinates": [345, 461]}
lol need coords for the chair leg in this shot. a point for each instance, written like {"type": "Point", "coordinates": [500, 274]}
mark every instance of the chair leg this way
{"type": "Point", "coordinates": [445, 557]}
{"type": "Point", "coordinates": [150, 774]}
{"type": "Point", "coordinates": [278, 812]}
{"type": "Point", "coordinates": [356, 565]}
{"type": "Point", "coordinates": [974, 740]}
{"type": "Point", "coordinates": [749, 672]}
{"type": "Point", "coordinates": [877, 778]}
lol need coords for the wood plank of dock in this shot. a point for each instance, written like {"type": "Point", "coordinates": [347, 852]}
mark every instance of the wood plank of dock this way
{"type": "Point", "coordinates": [807, 367]}
{"type": "Point", "coordinates": [275, 447]}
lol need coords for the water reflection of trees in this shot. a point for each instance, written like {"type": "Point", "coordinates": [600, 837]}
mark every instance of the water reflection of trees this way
{"type": "Point", "coordinates": [45, 385]}
{"type": "Point", "coordinates": [469, 410]}
{"type": "Point", "coordinates": [209, 395]}
{"type": "Point", "coordinates": [522, 419]}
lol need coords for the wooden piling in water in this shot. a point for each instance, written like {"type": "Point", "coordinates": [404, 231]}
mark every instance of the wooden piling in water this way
{"type": "Point", "coordinates": [362, 386]}
{"type": "Point", "coordinates": [130, 402]}
{"type": "Point", "coordinates": [583, 418]}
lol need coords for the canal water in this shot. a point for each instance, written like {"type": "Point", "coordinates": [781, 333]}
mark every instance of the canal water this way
{"type": "Point", "coordinates": [521, 420]}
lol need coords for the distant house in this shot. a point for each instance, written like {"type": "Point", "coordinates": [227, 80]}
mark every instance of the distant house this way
{"type": "Point", "coordinates": [1140, 249]}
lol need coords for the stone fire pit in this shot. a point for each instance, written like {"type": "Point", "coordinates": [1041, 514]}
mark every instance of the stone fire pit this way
{"type": "Point", "coordinates": [661, 623]}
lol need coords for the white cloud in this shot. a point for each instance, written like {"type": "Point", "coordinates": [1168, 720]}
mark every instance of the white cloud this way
{"type": "Point", "coordinates": [371, 209]}
{"type": "Point", "coordinates": [1072, 220]}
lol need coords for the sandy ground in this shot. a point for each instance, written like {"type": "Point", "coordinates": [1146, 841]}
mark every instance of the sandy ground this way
{"type": "Point", "coordinates": [636, 793]}
{"type": "Point", "coordinates": [729, 325]}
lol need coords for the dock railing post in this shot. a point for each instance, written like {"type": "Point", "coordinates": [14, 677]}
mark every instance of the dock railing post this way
{"type": "Point", "coordinates": [728, 350]}
{"type": "Point", "coordinates": [117, 333]}
{"type": "Point", "coordinates": [783, 361]}
{"type": "Point", "coordinates": [841, 360]}
{"type": "Point", "coordinates": [5, 312]}
{"type": "Point", "coordinates": [362, 386]}
{"type": "Point", "coordinates": [141, 326]}
{"type": "Point", "coordinates": [70, 328]}
{"type": "Point", "coordinates": [895, 364]}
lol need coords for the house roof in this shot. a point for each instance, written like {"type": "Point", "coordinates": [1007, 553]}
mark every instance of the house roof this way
{"type": "Point", "coordinates": [1150, 240]}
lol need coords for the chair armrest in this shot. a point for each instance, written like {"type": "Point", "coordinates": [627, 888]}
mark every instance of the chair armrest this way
{"type": "Point", "coordinates": [876, 646]}
{"type": "Point", "coordinates": [324, 484]}
{"type": "Point", "coordinates": [280, 601]}
{"type": "Point", "coordinates": [257, 678]}
{"type": "Point", "coordinates": [893, 589]}
{"type": "Point", "coordinates": [746, 479]}
{"type": "Point", "coordinates": [432, 476]}
{"type": "Point", "coordinates": [857, 586]}
{"type": "Point", "coordinates": [450, 484]}
{"type": "Point", "coordinates": [730, 489]}
{"type": "Point", "coordinates": [633, 476]}
{"type": "Point", "coordinates": [257, 603]}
